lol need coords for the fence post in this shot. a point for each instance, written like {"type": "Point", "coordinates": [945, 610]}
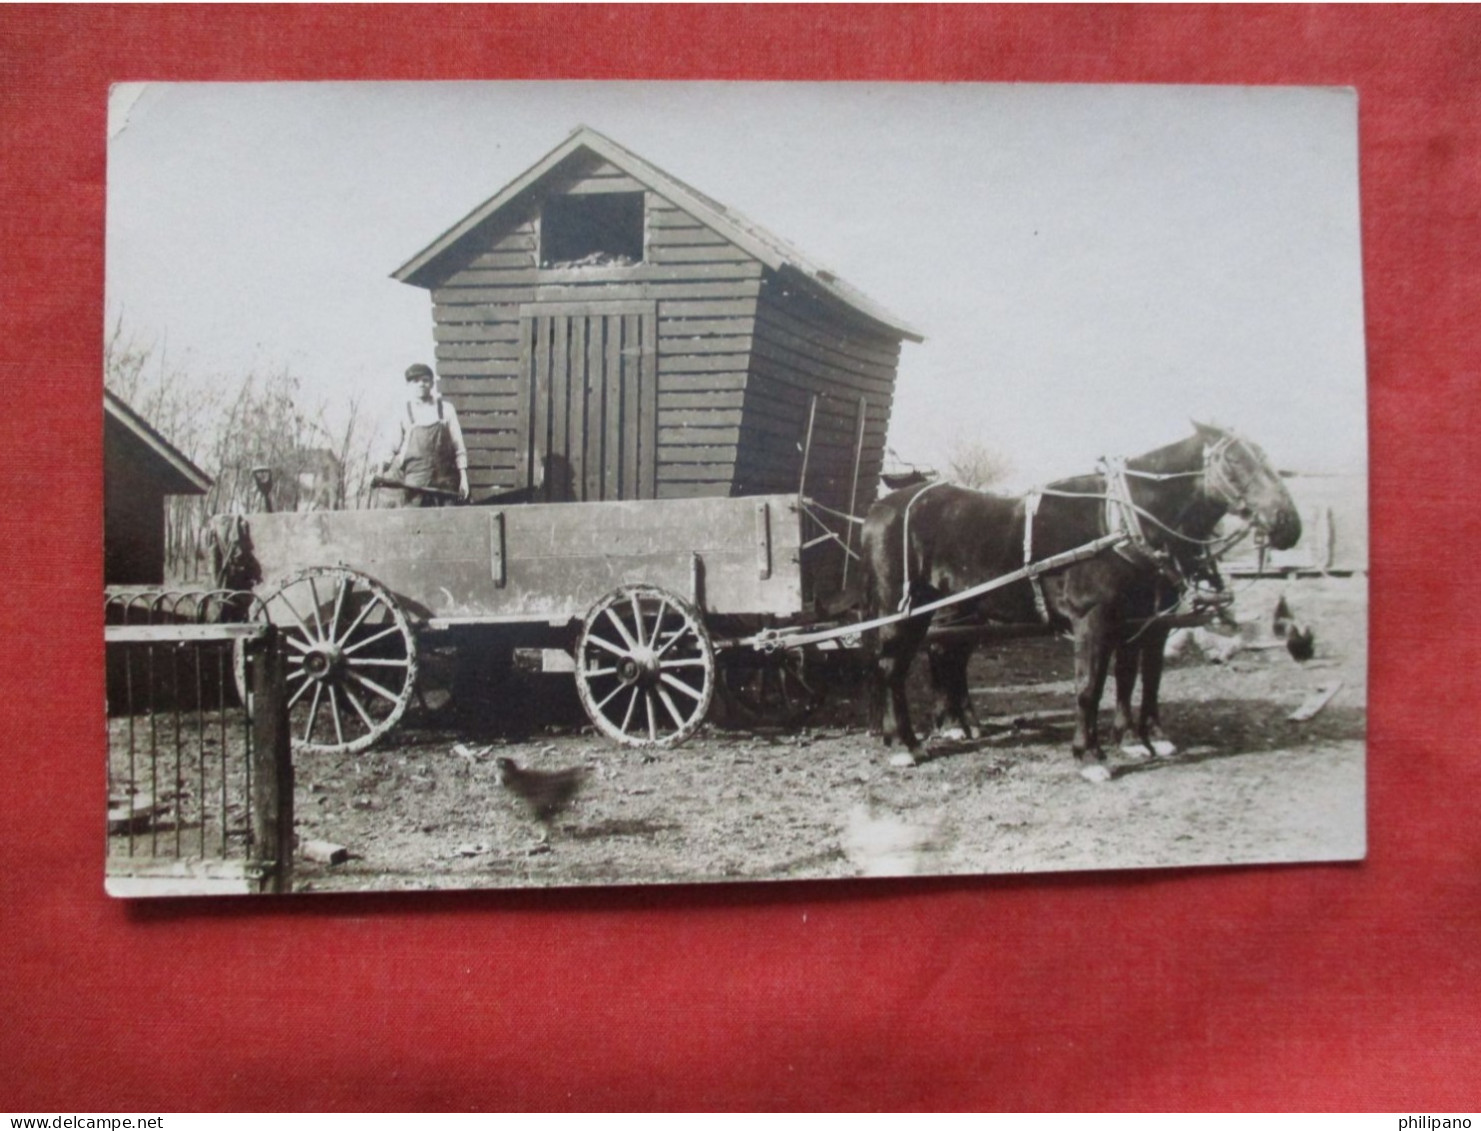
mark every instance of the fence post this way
{"type": "Point", "coordinates": [272, 766]}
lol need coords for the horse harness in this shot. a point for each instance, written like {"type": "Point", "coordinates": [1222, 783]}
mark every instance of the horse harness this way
{"type": "Point", "coordinates": [1122, 517]}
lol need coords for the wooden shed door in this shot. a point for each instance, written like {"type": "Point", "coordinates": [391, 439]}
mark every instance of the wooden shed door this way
{"type": "Point", "coordinates": [589, 397]}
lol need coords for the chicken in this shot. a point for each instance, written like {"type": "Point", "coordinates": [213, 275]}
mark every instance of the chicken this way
{"type": "Point", "coordinates": [547, 793]}
{"type": "Point", "coordinates": [1301, 642]}
{"type": "Point", "coordinates": [1300, 639]}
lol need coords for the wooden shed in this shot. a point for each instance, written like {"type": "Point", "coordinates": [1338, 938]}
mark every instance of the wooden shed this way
{"type": "Point", "coordinates": [140, 468]}
{"type": "Point", "coordinates": [608, 332]}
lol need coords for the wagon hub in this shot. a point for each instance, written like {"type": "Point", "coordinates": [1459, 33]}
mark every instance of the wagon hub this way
{"type": "Point", "coordinates": [322, 660]}
{"type": "Point", "coordinates": [640, 666]}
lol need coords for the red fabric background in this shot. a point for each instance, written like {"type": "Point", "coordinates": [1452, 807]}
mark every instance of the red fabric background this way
{"type": "Point", "coordinates": [1295, 987]}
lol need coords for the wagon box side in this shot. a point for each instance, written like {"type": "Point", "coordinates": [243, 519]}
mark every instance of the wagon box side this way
{"type": "Point", "coordinates": [552, 562]}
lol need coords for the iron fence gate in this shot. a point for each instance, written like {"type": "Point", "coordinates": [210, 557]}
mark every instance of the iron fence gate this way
{"type": "Point", "coordinates": [200, 786]}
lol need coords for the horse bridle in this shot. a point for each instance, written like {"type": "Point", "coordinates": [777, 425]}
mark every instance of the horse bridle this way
{"type": "Point", "coordinates": [1217, 481]}
{"type": "Point", "coordinates": [1215, 460]}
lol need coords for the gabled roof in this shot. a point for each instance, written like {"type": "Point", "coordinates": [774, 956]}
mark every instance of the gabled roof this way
{"type": "Point", "coordinates": [755, 240]}
{"type": "Point", "coordinates": [182, 477]}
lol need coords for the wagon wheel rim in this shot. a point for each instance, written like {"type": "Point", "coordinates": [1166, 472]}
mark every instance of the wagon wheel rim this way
{"type": "Point", "coordinates": [781, 688]}
{"type": "Point", "coordinates": [350, 658]}
{"type": "Point", "coordinates": [645, 667]}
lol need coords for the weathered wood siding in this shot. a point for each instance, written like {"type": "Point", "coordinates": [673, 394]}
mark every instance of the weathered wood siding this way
{"type": "Point", "coordinates": [704, 290]}
{"type": "Point", "coordinates": [807, 346]}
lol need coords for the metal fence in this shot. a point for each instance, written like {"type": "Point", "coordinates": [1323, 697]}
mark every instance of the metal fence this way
{"type": "Point", "coordinates": [200, 776]}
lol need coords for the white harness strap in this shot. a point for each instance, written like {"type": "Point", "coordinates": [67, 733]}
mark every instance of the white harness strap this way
{"type": "Point", "coordinates": [904, 605]}
{"type": "Point", "coordinates": [1030, 509]}
{"type": "Point", "coordinates": [1122, 516]}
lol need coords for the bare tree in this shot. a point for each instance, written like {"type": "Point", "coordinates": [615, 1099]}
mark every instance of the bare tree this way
{"type": "Point", "coordinates": [265, 422]}
{"type": "Point", "coordinates": [974, 464]}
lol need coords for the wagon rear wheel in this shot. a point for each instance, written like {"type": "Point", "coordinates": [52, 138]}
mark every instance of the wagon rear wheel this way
{"type": "Point", "coordinates": [645, 668]}
{"type": "Point", "coordinates": [351, 658]}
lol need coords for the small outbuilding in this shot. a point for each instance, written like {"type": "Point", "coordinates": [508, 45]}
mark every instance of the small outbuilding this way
{"type": "Point", "coordinates": [608, 332]}
{"type": "Point", "coordinates": [140, 469]}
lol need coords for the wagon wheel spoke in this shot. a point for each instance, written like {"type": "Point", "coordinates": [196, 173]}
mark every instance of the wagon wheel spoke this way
{"type": "Point", "coordinates": [680, 685]}
{"type": "Point", "coordinates": [613, 648]}
{"type": "Point", "coordinates": [365, 612]}
{"type": "Point", "coordinates": [384, 692]}
{"type": "Point", "coordinates": [668, 704]}
{"type": "Point", "coordinates": [339, 604]}
{"type": "Point", "coordinates": [308, 634]}
{"type": "Point", "coordinates": [299, 694]}
{"type": "Point", "coordinates": [351, 649]}
{"type": "Point", "coordinates": [308, 730]}
{"type": "Point", "coordinates": [360, 710]}
{"type": "Point", "coordinates": [621, 628]}
{"type": "Point", "coordinates": [635, 640]}
{"type": "Point", "coordinates": [638, 618]}
{"type": "Point", "coordinates": [674, 639]}
{"type": "Point", "coordinates": [339, 733]}
{"type": "Point", "coordinates": [607, 698]}
{"type": "Point", "coordinates": [314, 605]}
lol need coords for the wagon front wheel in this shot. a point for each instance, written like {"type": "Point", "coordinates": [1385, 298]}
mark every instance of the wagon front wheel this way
{"type": "Point", "coordinates": [351, 658]}
{"type": "Point", "coordinates": [645, 668]}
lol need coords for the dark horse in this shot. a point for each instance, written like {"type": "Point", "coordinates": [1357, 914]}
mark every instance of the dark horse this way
{"type": "Point", "coordinates": [1166, 504]}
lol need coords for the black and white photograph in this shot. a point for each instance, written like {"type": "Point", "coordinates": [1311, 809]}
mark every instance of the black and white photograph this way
{"type": "Point", "coordinates": [531, 484]}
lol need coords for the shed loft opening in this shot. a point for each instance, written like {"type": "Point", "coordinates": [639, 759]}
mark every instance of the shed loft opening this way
{"type": "Point", "coordinates": [591, 229]}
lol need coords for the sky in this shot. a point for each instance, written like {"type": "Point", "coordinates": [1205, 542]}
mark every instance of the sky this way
{"type": "Point", "coordinates": [1091, 266]}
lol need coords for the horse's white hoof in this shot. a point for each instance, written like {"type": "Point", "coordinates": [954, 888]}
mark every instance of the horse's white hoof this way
{"type": "Point", "coordinates": [1163, 748]}
{"type": "Point", "coordinates": [902, 761]}
{"type": "Point", "coordinates": [1136, 750]}
{"type": "Point", "coordinates": [1096, 773]}
{"type": "Point", "coordinates": [953, 734]}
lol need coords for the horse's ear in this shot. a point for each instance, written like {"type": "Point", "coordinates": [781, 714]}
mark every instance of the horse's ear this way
{"type": "Point", "coordinates": [1207, 431]}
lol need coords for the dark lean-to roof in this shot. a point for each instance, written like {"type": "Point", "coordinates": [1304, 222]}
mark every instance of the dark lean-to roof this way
{"type": "Point", "coordinates": [178, 475]}
{"type": "Point", "coordinates": [421, 269]}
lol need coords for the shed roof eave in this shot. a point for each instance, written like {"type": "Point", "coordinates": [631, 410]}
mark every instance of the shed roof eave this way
{"type": "Point", "coordinates": [194, 481]}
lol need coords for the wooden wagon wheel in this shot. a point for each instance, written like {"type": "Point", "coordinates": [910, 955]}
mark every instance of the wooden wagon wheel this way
{"type": "Point", "coordinates": [645, 668]}
{"type": "Point", "coordinates": [351, 658]}
{"type": "Point", "coordinates": [780, 688]}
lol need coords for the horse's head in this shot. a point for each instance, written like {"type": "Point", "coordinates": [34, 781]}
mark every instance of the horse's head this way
{"type": "Point", "coordinates": [1238, 474]}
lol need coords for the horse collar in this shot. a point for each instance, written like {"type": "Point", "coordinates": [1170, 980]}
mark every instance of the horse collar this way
{"type": "Point", "coordinates": [1123, 516]}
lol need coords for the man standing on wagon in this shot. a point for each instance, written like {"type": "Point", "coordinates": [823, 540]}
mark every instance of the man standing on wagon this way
{"type": "Point", "coordinates": [431, 452]}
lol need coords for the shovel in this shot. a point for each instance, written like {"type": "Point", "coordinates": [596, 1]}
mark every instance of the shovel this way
{"type": "Point", "coordinates": [434, 492]}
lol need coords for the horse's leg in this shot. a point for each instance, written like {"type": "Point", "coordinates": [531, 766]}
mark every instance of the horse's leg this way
{"type": "Point", "coordinates": [954, 715]}
{"type": "Point", "coordinates": [898, 644]}
{"type": "Point", "coordinates": [1154, 652]}
{"type": "Point", "coordinates": [1093, 648]}
{"type": "Point", "coordinates": [1123, 728]}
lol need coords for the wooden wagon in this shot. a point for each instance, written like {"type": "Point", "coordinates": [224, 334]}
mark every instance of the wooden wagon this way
{"type": "Point", "coordinates": [685, 411]}
{"type": "Point", "coordinates": [628, 596]}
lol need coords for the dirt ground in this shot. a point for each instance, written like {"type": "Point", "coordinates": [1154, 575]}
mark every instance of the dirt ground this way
{"type": "Point", "coordinates": [426, 810]}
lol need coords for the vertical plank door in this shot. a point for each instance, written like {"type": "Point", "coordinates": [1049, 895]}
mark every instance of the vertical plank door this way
{"type": "Point", "coordinates": [589, 400]}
